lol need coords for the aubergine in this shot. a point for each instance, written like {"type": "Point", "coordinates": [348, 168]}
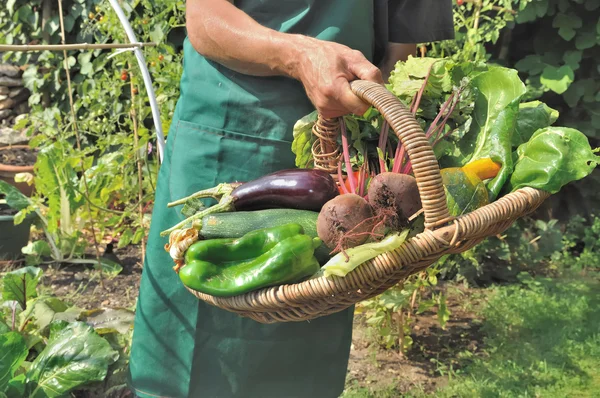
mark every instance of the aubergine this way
{"type": "Point", "coordinates": [300, 189]}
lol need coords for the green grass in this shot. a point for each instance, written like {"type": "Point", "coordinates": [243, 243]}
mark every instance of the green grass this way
{"type": "Point", "coordinates": [542, 340]}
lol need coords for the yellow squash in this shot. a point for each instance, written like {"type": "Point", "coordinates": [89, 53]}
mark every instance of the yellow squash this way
{"type": "Point", "coordinates": [464, 186]}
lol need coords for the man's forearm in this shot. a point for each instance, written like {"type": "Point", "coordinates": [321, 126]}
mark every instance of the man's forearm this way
{"type": "Point", "coordinates": [223, 33]}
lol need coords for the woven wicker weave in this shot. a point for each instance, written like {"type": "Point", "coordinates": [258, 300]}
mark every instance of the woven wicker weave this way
{"type": "Point", "coordinates": [443, 234]}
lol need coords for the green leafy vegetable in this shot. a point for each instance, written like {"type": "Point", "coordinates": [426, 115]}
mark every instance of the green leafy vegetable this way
{"type": "Point", "coordinates": [14, 198]}
{"type": "Point", "coordinates": [303, 140]}
{"type": "Point", "coordinates": [110, 320]}
{"type": "Point", "coordinates": [498, 92]}
{"type": "Point", "coordinates": [75, 357]}
{"type": "Point", "coordinates": [552, 158]}
{"type": "Point", "coordinates": [109, 266]}
{"type": "Point", "coordinates": [20, 285]}
{"type": "Point", "coordinates": [533, 116]}
{"type": "Point", "coordinates": [341, 265]}
{"type": "Point", "coordinates": [42, 311]}
{"type": "Point", "coordinates": [13, 352]}
{"type": "Point", "coordinates": [4, 328]}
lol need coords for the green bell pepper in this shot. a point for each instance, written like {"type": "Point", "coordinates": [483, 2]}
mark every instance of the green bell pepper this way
{"type": "Point", "coordinates": [262, 258]}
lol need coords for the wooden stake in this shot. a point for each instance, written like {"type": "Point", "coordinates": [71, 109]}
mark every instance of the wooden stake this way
{"type": "Point", "coordinates": [67, 47]}
{"type": "Point", "coordinates": [139, 162]}
{"type": "Point", "coordinates": [76, 131]}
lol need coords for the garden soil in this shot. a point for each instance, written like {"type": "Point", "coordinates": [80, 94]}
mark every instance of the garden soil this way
{"type": "Point", "coordinates": [371, 366]}
{"type": "Point", "coordinates": [18, 157]}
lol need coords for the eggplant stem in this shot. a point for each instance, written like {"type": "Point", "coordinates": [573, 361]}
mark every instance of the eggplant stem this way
{"type": "Point", "coordinates": [226, 204]}
{"type": "Point", "coordinates": [216, 193]}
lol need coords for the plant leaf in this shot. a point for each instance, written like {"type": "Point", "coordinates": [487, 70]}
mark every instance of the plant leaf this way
{"type": "Point", "coordinates": [42, 311]}
{"type": "Point", "coordinates": [20, 285]}
{"type": "Point", "coordinates": [75, 357]}
{"type": "Point", "coordinates": [567, 23]}
{"type": "Point", "coordinates": [13, 352]}
{"type": "Point", "coordinates": [499, 91]}
{"type": "Point", "coordinates": [303, 140]}
{"type": "Point", "coordinates": [557, 79]}
{"type": "Point", "coordinates": [109, 320]}
{"type": "Point", "coordinates": [4, 328]}
{"type": "Point", "coordinates": [552, 158]}
{"type": "Point", "coordinates": [14, 198]}
{"type": "Point", "coordinates": [109, 266]}
{"type": "Point", "coordinates": [532, 116]}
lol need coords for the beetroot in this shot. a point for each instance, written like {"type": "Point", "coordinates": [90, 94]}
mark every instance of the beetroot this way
{"type": "Point", "coordinates": [345, 221]}
{"type": "Point", "coordinates": [396, 197]}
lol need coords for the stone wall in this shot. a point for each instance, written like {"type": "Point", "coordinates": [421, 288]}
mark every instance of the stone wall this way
{"type": "Point", "coordinates": [13, 104]}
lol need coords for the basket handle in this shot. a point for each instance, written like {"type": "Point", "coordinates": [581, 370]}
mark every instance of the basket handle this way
{"type": "Point", "coordinates": [425, 166]}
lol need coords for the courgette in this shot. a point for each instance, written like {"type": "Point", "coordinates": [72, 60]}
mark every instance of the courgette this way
{"type": "Point", "coordinates": [238, 224]}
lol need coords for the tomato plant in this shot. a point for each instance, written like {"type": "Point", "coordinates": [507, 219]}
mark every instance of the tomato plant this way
{"type": "Point", "coordinates": [102, 100]}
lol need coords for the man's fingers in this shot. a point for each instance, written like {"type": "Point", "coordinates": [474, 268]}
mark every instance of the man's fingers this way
{"type": "Point", "coordinates": [351, 102]}
{"type": "Point", "coordinates": [366, 71]}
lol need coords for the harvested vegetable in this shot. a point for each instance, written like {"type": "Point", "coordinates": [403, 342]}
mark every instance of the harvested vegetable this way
{"type": "Point", "coordinates": [465, 187]}
{"type": "Point", "coordinates": [396, 197]}
{"type": "Point", "coordinates": [342, 263]}
{"type": "Point", "coordinates": [345, 221]}
{"type": "Point", "coordinates": [262, 258]}
{"type": "Point", "coordinates": [303, 189]}
{"type": "Point", "coordinates": [238, 224]}
{"type": "Point", "coordinates": [465, 192]}
{"type": "Point", "coordinates": [552, 158]}
{"type": "Point", "coordinates": [484, 168]}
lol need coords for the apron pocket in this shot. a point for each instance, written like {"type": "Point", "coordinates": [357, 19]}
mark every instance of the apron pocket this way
{"type": "Point", "coordinates": [204, 157]}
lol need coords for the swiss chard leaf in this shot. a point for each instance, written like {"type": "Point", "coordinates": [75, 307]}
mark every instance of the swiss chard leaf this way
{"type": "Point", "coordinates": [13, 352]}
{"type": "Point", "coordinates": [4, 328]}
{"type": "Point", "coordinates": [57, 178]}
{"type": "Point", "coordinates": [20, 285]}
{"type": "Point", "coordinates": [498, 92]}
{"type": "Point", "coordinates": [533, 116]}
{"type": "Point", "coordinates": [14, 198]}
{"type": "Point", "coordinates": [75, 357]}
{"type": "Point", "coordinates": [41, 311]}
{"type": "Point", "coordinates": [552, 158]}
{"type": "Point", "coordinates": [109, 320]}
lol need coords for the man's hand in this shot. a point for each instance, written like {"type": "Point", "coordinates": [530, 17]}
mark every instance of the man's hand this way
{"type": "Point", "coordinates": [225, 34]}
{"type": "Point", "coordinates": [325, 69]}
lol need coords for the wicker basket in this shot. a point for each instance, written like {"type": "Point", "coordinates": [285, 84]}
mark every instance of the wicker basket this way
{"type": "Point", "coordinates": [443, 234]}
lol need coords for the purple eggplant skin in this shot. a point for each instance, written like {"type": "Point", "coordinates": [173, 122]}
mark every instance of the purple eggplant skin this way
{"type": "Point", "coordinates": [302, 189]}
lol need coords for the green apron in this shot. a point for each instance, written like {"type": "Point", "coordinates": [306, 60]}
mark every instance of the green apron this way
{"type": "Point", "coordinates": [232, 127]}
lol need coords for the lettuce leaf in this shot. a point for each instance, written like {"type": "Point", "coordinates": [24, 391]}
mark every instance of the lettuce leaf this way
{"type": "Point", "coordinates": [303, 140]}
